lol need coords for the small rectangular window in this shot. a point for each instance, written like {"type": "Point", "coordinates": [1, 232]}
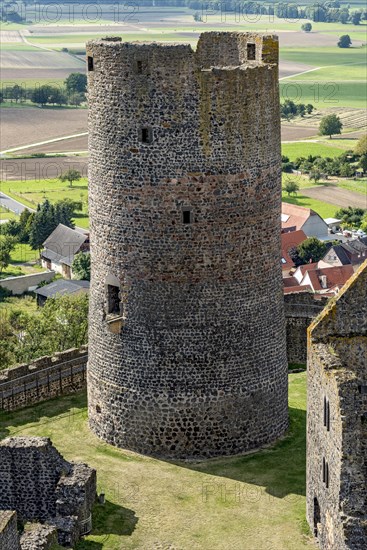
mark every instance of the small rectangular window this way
{"type": "Point", "coordinates": [186, 216]}
{"type": "Point", "coordinates": [146, 135]}
{"type": "Point", "coordinates": [139, 67]}
{"type": "Point", "coordinates": [251, 52]}
{"type": "Point", "coordinates": [90, 63]}
{"type": "Point", "coordinates": [362, 390]}
{"type": "Point", "coordinates": [113, 300]}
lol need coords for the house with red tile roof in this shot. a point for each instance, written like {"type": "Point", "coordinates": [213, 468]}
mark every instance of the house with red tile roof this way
{"type": "Point", "coordinates": [330, 280]}
{"type": "Point", "coordinates": [290, 240]}
{"type": "Point", "coordinates": [296, 218]}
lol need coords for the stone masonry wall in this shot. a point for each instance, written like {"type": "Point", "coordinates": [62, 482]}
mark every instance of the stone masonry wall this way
{"type": "Point", "coordinates": [23, 283]}
{"type": "Point", "coordinates": [9, 537]}
{"type": "Point", "coordinates": [37, 482]}
{"type": "Point", "coordinates": [300, 310]}
{"type": "Point", "coordinates": [196, 365]}
{"type": "Point", "coordinates": [44, 378]}
{"type": "Point", "coordinates": [337, 442]}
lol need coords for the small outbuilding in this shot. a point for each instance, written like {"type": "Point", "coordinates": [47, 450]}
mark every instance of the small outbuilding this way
{"type": "Point", "coordinates": [61, 287]}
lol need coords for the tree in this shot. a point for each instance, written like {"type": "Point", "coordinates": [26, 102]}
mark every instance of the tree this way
{"type": "Point", "coordinates": [351, 217]}
{"type": "Point", "coordinates": [344, 41]}
{"type": "Point", "coordinates": [363, 163]}
{"type": "Point", "coordinates": [70, 176]}
{"type": "Point", "coordinates": [315, 174]}
{"type": "Point", "coordinates": [307, 27]}
{"type": "Point", "coordinates": [363, 225]}
{"type": "Point", "coordinates": [61, 324]}
{"type": "Point", "coordinates": [76, 99]}
{"type": "Point", "coordinates": [42, 225]}
{"type": "Point", "coordinates": [361, 147]}
{"type": "Point", "coordinates": [81, 266]}
{"type": "Point", "coordinates": [7, 244]}
{"type": "Point", "coordinates": [291, 188]}
{"type": "Point", "coordinates": [309, 108]}
{"type": "Point", "coordinates": [346, 170]}
{"type": "Point", "coordinates": [356, 17]}
{"type": "Point", "coordinates": [329, 125]}
{"type": "Point", "coordinates": [76, 83]}
{"type": "Point", "coordinates": [311, 250]}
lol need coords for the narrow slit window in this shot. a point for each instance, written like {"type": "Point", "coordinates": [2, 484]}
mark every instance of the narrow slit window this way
{"type": "Point", "coordinates": [328, 415]}
{"type": "Point", "coordinates": [186, 216]}
{"type": "Point", "coordinates": [323, 470]}
{"type": "Point", "coordinates": [139, 67]}
{"type": "Point", "coordinates": [146, 135]}
{"type": "Point", "coordinates": [324, 411]}
{"type": "Point", "coordinates": [98, 409]}
{"type": "Point", "coordinates": [113, 300]}
{"type": "Point", "coordinates": [90, 63]}
{"type": "Point", "coordinates": [251, 52]}
{"type": "Point", "coordinates": [327, 476]}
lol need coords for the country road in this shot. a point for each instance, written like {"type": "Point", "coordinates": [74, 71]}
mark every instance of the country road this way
{"type": "Point", "coordinates": [12, 204]}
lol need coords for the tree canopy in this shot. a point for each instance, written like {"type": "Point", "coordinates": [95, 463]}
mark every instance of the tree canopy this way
{"type": "Point", "coordinates": [330, 125]}
{"type": "Point", "coordinates": [311, 250]}
{"type": "Point", "coordinates": [344, 41]}
{"type": "Point", "coordinates": [81, 266]}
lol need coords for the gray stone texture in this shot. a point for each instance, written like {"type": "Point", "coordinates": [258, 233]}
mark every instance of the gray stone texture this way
{"type": "Point", "coordinates": [37, 482]}
{"type": "Point", "coordinates": [300, 310]}
{"type": "Point", "coordinates": [337, 375]}
{"type": "Point", "coordinates": [44, 378]}
{"type": "Point", "coordinates": [196, 364]}
{"type": "Point", "coordinates": [9, 537]}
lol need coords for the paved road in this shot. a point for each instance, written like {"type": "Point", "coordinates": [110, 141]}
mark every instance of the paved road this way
{"type": "Point", "coordinates": [12, 204]}
{"type": "Point", "coordinates": [18, 207]}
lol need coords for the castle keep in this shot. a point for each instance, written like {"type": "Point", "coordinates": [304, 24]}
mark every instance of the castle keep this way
{"type": "Point", "coordinates": [187, 353]}
{"type": "Point", "coordinates": [337, 420]}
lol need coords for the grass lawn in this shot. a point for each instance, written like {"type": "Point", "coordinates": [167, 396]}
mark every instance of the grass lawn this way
{"type": "Point", "coordinates": [32, 192]}
{"type": "Point", "coordinates": [359, 185]}
{"type": "Point", "coordinates": [255, 501]}
{"type": "Point", "coordinates": [324, 209]}
{"type": "Point", "coordinates": [6, 214]}
{"type": "Point", "coordinates": [11, 271]}
{"type": "Point", "coordinates": [24, 253]}
{"type": "Point", "coordinates": [303, 149]}
{"type": "Point", "coordinates": [26, 304]}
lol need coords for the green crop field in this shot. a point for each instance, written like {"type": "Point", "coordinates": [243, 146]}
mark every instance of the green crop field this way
{"type": "Point", "coordinates": [325, 94]}
{"type": "Point", "coordinates": [324, 209]}
{"type": "Point", "coordinates": [304, 149]}
{"type": "Point", "coordinates": [155, 504]}
{"type": "Point", "coordinates": [32, 192]}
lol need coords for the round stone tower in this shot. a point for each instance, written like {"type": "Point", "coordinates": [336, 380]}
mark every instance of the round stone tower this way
{"type": "Point", "coordinates": [187, 350]}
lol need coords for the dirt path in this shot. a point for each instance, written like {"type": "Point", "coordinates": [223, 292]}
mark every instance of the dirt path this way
{"type": "Point", "coordinates": [334, 195]}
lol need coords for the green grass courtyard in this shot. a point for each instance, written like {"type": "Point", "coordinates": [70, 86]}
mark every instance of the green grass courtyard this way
{"type": "Point", "coordinates": [209, 505]}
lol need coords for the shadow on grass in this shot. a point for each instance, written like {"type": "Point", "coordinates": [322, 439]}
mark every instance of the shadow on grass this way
{"type": "Point", "coordinates": [43, 413]}
{"type": "Point", "coordinates": [281, 468]}
{"type": "Point", "coordinates": [109, 519]}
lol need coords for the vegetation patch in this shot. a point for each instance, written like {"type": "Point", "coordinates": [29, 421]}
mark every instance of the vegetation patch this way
{"type": "Point", "coordinates": [159, 504]}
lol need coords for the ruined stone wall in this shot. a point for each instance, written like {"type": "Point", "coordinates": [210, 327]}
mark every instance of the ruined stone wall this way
{"type": "Point", "coordinates": [44, 378]}
{"type": "Point", "coordinates": [37, 482]}
{"type": "Point", "coordinates": [197, 364]}
{"type": "Point", "coordinates": [337, 382]}
{"type": "Point", "coordinates": [9, 537]}
{"type": "Point", "coordinates": [300, 310]}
